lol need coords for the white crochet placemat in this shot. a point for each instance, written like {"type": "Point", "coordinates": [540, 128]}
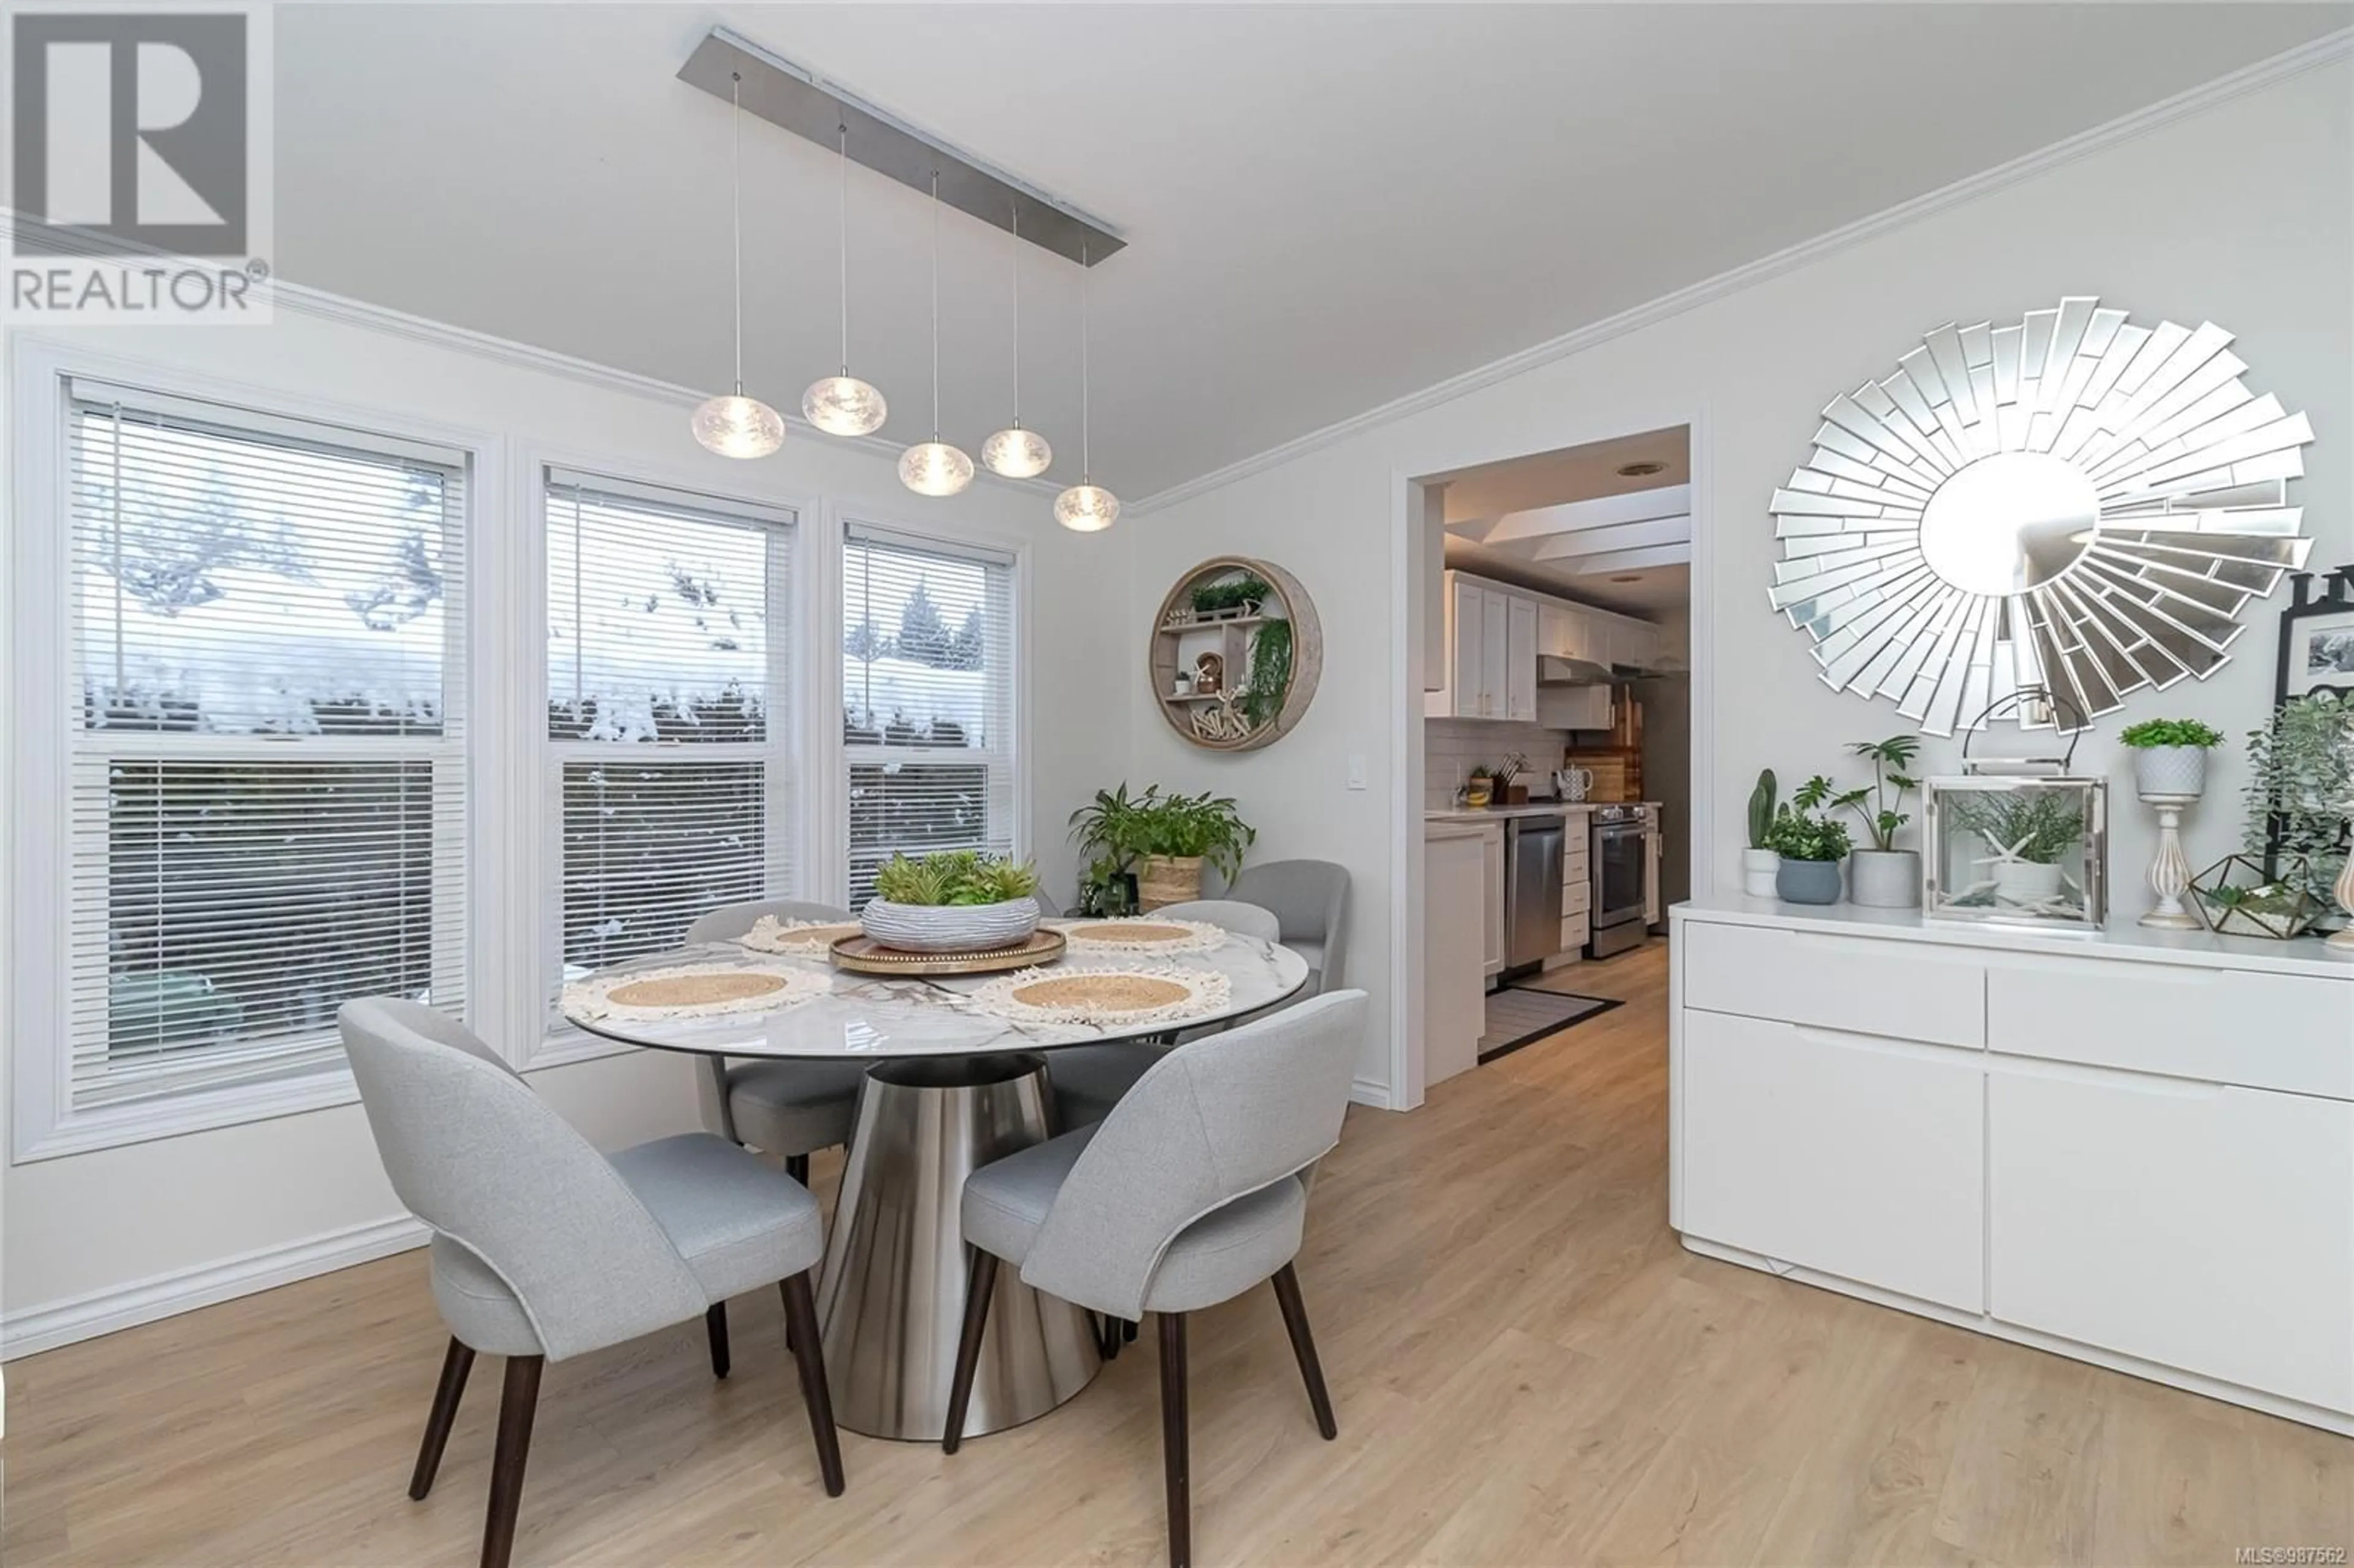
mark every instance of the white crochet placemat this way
{"type": "Point", "coordinates": [1130, 993]}
{"type": "Point", "coordinates": [1141, 934]}
{"type": "Point", "coordinates": [801, 939]}
{"type": "Point", "coordinates": [691, 991]}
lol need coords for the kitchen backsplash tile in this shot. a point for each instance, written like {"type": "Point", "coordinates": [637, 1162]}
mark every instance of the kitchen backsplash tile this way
{"type": "Point", "coordinates": [1452, 748]}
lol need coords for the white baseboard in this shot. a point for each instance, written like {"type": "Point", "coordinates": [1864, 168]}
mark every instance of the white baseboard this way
{"type": "Point", "coordinates": [99, 1312]}
{"type": "Point", "coordinates": [1367, 1092]}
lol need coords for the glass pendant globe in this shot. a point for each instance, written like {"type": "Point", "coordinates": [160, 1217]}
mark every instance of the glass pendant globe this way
{"type": "Point", "coordinates": [736, 426]}
{"type": "Point", "coordinates": [1016, 453]}
{"type": "Point", "coordinates": [1086, 508]}
{"type": "Point", "coordinates": [934, 468]}
{"type": "Point", "coordinates": [843, 406]}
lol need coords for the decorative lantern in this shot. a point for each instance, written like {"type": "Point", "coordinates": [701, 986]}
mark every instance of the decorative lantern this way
{"type": "Point", "coordinates": [2016, 841]}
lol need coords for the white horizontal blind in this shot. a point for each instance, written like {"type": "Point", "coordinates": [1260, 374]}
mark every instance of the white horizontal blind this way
{"type": "Point", "coordinates": [267, 767]}
{"type": "Point", "coordinates": [668, 711]}
{"type": "Point", "coordinates": [928, 699]}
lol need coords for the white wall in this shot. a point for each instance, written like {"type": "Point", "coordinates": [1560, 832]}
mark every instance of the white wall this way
{"type": "Point", "coordinates": [2237, 213]}
{"type": "Point", "coordinates": [211, 1211]}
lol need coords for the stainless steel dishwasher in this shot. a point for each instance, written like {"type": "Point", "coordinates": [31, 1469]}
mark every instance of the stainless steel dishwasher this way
{"type": "Point", "coordinates": [1533, 848]}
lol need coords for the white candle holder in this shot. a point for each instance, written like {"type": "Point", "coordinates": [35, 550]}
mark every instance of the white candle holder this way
{"type": "Point", "coordinates": [2169, 872]}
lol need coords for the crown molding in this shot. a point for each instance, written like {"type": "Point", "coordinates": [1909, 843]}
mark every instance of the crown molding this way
{"type": "Point", "coordinates": [2329, 49]}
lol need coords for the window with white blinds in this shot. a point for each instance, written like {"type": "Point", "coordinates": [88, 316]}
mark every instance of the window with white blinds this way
{"type": "Point", "coordinates": [267, 764]}
{"type": "Point", "coordinates": [928, 699]}
{"type": "Point", "coordinates": [669, 697]}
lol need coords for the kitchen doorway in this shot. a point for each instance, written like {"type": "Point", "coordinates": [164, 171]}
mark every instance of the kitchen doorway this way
{"type": "Point", "coordinates": [1554, 746]}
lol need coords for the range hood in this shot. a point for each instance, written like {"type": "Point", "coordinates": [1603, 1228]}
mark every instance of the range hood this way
{"type": "Point", "coordinates": [1553, 670]}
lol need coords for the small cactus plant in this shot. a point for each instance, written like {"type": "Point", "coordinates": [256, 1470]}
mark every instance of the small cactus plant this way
{"type": "Point", "coordinates": [1761, 810]}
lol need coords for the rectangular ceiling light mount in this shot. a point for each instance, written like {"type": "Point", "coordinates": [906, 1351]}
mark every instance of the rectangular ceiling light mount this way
{"type": "Point", "coordinates": [806, 104]}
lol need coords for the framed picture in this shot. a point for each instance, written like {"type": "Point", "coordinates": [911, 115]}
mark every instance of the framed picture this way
{"type": "Point", "coordinates": [2317, 640]}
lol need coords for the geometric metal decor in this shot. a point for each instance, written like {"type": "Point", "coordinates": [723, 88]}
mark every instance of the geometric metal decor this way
{"type": "Point", "coordinates": [2073, 502]}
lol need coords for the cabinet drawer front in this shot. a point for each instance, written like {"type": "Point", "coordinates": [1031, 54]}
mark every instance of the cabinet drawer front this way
{"type": "Point", "coordinates": [1857, 1156]}
{"type": "Point", "coordinates": [2226, 1026]}
{"type": "Point", "coordinates": [1859, 984]}
{"type": "Point", "coordinates": [2205, 1228]}
{"type": "Point", "coordinates": [1576, 897]}
{"type": "Point", "coordinates": [1573, 933]}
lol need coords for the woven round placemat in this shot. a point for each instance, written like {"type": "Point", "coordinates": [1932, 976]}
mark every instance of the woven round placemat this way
{"type": "Point", "coordinates": [692, 990]}
{"type": "Point", "coordinates": [1101, 993]}
{"type": "Point", "coordinates": [1131, 994]}
{"type": "Point", "coordinates": [810, 939]}
{"type": "Point", "coordinates": [1146, 936]}
{"type": "Point", "coordinates": [695, 991]}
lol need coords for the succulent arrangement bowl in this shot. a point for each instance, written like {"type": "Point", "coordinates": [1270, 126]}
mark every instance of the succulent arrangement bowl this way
{"type": "Point", "coordinates": [953, 901]}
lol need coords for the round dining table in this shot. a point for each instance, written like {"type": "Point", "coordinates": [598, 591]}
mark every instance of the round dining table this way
{"type": "Point", "coordinates": [949, 1088]}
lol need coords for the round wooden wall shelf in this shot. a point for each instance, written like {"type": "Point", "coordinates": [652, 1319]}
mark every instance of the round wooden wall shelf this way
{"type": "Point", "coordinates": [1237, 653]}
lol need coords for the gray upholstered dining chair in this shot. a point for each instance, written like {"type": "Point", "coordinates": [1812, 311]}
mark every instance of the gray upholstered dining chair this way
{"type": "Point", "coordinates": [544, 1249]}
{"type": "Point", "coordinates": [1310, 899]}
{"type": "Point", "coordinates": [1190, 1193]}
{"type": "Point", "coordinates": [791, 1108]}
{"type": "Point", "coordinates": [1089, 1079]}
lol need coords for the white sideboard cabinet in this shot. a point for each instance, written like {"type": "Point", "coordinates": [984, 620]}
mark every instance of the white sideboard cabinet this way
{"type": "Point", "coordinates": [2136, 1148]}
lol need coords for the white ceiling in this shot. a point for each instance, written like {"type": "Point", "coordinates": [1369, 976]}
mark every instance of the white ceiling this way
{"type": "Point", "coordinates": [1327, 207]}
{"type": "Point", "coordinates": [1551, 479]}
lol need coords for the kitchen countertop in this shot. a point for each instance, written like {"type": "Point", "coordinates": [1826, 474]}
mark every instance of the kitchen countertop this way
{"type": "Point", "coordinates": [1534, 809]}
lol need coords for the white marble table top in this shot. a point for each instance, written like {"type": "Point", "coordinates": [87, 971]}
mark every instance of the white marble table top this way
{"type": "Point", "coordinates": [863, 1017]}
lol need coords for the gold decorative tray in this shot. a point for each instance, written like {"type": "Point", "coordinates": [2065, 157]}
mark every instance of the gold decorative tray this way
{"type": "Point", "coordinates": [865, 955]}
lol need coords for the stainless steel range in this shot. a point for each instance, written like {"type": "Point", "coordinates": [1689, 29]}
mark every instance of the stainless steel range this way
{"type": "Point", "coordinates": [1621, 858]}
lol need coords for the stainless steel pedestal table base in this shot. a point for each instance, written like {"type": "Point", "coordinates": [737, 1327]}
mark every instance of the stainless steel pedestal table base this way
{"type": "Point", "coordinates": [891, 1299]}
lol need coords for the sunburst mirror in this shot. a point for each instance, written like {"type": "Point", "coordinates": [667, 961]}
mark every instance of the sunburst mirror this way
{"type": "Point", "coordinates": [2073, 502]}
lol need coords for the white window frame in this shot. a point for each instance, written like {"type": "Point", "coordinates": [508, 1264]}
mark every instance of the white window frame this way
{"type": "Point", "coordinates": [788, 834]}
{"type": "Point", "coordinates": [833, 754]}
{"type": "Point", "coordinates": [35, 956]}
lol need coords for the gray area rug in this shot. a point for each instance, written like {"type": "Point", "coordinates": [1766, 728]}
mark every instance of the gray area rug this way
{"type": "Point", "coordinates": [1518, 1017]}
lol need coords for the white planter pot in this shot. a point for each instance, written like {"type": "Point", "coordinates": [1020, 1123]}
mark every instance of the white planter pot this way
{"type": "Point", "coordinates": [1758, 868]}
{"type": "Point", "coordinates": [2170, 770]}
{"type": "Point", "coordinates": [948, 928]}
{"type": "Point", "coordinates": [1884, 879]}
{"type": "Point", "coordinates": [2019, 883]}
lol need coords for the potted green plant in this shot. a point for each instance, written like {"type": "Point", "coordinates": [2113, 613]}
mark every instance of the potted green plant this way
{"type": "Point", "coordinates": [1758, 862]}
{"type": "Point", "coordinates": [954, 901]}
{"type": "Point", "coordinates": [1811, 847]}
{"type": "Point", "coordinates": [2301, 788]}
{"type": "Point", "coordinates": [2028, 831]}
{"type": "Point", "coordinates": [2170, 758]}
{"type": "Point", "coordinates": [1162, 840]}
{"type": "Point", "coordinates": [1883, 876]}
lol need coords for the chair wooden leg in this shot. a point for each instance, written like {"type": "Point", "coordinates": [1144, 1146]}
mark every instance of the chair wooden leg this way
{"type": "Point", "coordinates": [1174, 1462]}
{"type": "Point", "coordinates": [1303, 1348]}
{"type": "Point", "coordinates": [1108, 1337]}
{"type": "Point", "coordinates": [809, 1359]}
{"type": "Point", "coordinates": [978, 1289]}
{"type": "Point", "coordinates": [455, 1365]}
{"type": "Point", "coordinates": [797, 1167]}
{"type": "Point", "coordinates": [517, 1403]}
{"type": "Point", "coordinates": [1128, 1329]}
{"type": "Point", "coordinates": [714, 1328]}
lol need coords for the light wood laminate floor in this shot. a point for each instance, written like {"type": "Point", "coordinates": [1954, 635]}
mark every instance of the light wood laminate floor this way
{"type": "Point", "coordinates": [1528, 1370]}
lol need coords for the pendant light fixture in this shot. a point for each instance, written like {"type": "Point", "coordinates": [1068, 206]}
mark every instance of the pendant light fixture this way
{"type": "Point", "coordinates": [1085, 507]}
{"type": "Point", "coordinates": [844, 404]}
{"type": "Point", "coordinates": [934, 467]}
{"type": "Point", "coordinates": [1014, 451]}
{"type": "Point", "coordinates": [732, 425]}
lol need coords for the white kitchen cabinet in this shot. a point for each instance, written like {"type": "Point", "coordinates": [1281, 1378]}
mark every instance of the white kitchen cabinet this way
{"type": "Point", "coordinates": [1562, 632]}
{"type": "Point", "coordinates": [1491, 900]}
{"type": "Point", "coordinates": [1495, 651]}
{"type": "Point", "coordinates": [1455, 937]}
{"type": "Point", "coordinates": [2198, 1226]}
{"type": "Point", "coordinates": [1521, 660]}
{"type": "Point", "coordinates": [1856, 1156]}
{"type": "Point", "coordinates": [1467, 605]}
